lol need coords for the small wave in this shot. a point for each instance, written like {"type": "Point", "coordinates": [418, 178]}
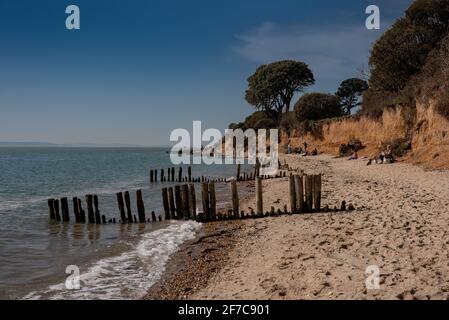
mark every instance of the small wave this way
{"type": "Point", "coordinates": [130, 274]}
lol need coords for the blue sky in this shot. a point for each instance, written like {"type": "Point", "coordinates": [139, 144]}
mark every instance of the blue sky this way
{"type": "Point", "coordinates": [138, 69]}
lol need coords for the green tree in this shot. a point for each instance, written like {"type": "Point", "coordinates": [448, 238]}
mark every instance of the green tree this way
{"type": "Point", "coordinates": [350, 93]}
{"type": "Point", "coordinates": [272, 87]}
{"type": "Point", "coordinates": [317, 106]}
{"type": "Point", "coordinates": [401, 52]}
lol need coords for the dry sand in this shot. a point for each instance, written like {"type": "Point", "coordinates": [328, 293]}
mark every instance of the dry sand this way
{"type": "Point", "coordinates": [400, 224]}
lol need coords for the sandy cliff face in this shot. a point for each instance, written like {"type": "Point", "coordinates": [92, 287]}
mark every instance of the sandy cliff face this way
{"type": "Point", "coordinates": [430, 139]}
{"type": "Point", "coordinates": [429, 135]}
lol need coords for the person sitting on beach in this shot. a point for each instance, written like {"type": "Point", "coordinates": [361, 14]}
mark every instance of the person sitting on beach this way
{"type": "Point", "coordinates": [354, 156]}
{"type": "Point", "coordinates": [388, 155]}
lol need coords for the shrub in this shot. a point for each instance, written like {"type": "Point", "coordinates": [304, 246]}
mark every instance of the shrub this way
{"type": "Point", "coordinates": [317, 106]}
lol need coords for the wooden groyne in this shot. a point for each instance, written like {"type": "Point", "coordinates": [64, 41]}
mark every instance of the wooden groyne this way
{"type": "Point", "coordinates": [179, 202]}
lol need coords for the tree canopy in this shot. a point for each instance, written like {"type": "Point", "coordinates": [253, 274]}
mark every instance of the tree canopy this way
{"type": "Point", "coordinates": [272, 87]}
{"type": "Point", "coordinates": [317, 106]}
{"type": "Point", "coordinates": [401, 52]}
{"type": "Point", "coordinates": [350, 93]}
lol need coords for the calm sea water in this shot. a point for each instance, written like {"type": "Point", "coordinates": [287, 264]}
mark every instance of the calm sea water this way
{"type": "Point", "coordinates": [115, 261]}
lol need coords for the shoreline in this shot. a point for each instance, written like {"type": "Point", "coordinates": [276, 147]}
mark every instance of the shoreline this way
{"type": "Point", "coordinates": [396, 227]}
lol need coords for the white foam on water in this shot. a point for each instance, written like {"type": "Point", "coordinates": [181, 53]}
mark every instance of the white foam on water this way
{"type": "Point", "coordinates": [130, 274]}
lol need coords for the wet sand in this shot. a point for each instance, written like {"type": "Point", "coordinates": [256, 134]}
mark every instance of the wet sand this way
{"type": "Point", "coordinates": [399, 225]}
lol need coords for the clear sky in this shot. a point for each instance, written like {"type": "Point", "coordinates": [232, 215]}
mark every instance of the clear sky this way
{"type": "Point", "coordinates": [138, 69]}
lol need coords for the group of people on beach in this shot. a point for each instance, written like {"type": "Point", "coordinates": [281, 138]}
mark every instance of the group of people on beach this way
{"type": "Point", "coordinates": [302, 151]}
{"type": "Point", "coordinates": [385, 157]}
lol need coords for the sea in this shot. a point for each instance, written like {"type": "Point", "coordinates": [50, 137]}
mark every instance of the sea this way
{"type": "Point", "coordinates": [43, 259]}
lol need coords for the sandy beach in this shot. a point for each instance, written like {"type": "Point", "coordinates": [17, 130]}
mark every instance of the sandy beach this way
{"type": "Point", "coordinates": [399, 225]}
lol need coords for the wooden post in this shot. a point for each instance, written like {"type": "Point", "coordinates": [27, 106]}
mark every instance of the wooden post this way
{"type": "Point", "coordinates": [76, 211]}
{"type": "Point", "coordinates": [180, 174]}
{"type": "Point", "coordinates": [56, 208]}
{"type": "Point", "coordinates": [235, 198]}
{"type": "Point", "coordinates": [238, 172]}
{"type": "Point", "coordinates": [192, 201]}
{"type": "Point", "coordinates": [213, 200]}
{"type": "Point", "coordinates": [165, 203]}
{"type": "Point", "coordinates": [162, 175]}
{"type": "Point", "coordinates": [257, 168]}
{"type": "Point", "coordinates": [173, 174]}
{"type": "Point", "coordinates": [121, 206]}
{"type": "Point", "coordinates": [90, 208]}
{"type": "Point", "coordinates": [97, 211]}
{"type": "Point", "coordinates": [299, 188]}
{"type": "Point", "coordinates": [292, 188]}
{"type": "Point", "coordinates": [128, 207]}
{"type": "Point", "coordinates": [259, 196]}
{"type": "Point", "coordinates": [140, 206]}
{"type": "Point", "coordinates": [153, 216]}
{"type": "Point", "coordinates": [317, 192]}
{"type": "Point", "coordinates": [64, 210]}
{"type": "Point", "coordinates": [185, 201]}
{"type": "Point", "coordinates": [151, 176]}
{"type": "Point", "coordinates": [155, 175]}
{"type": "Point", "coordinates": [81, 211]}
{"type": "Point", "coordinates": [205, 199]}
{"type": "Point", "coordinates": [309, 192]}
{"type": "Point", "coordinates": [171, 202]}
{"type": "Point", "coordinates": [189, 172]}
{"type": "Point", "coordinates": [51, 209]}
{"type": "Point", "coordinates": [178, 202]}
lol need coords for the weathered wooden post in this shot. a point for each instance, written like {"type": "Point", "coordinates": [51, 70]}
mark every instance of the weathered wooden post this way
{"type": "Point", "coordinates": [299, 188]}
{"type": "Point", "coordinates": [128, 208]}
{"type": "Point", "coordinates": [140, 206]}
{"type": "Point", "coordinates": [205, 199]}
{"type": "Point", "coordinates": [235, 198]}
{"type": "Point", "coordinates": [213, 200]}
{"type": "Point", "coordinates": [162, 175]}
{"type": "Point", "coordinates": [90, 208]}
{"type": "Point", "coordinates": [151, 176]}
{"type": "Point", "coordinates": [97, 211]}
{"type": "Point", "coordinates": [155, 175]}
{"type": "Point", "coordinates": [65, 210]}
{"type": "Point", "coordinates": [309, 192]}
{"type": "Point", "coordinates": [259, 196]}
{"type": "Point", "coordinates": [257, 168]}
{"type": "Point", "coordinates": [81, 211]}
{"type": "Point", "coordinates": [51, 209]}
{"type": "Point", "coordinates": [238, 172]}
{"type": "Point", "coordinates": [56, 208]}
{"type": "Point", "coordinates": [189, 172]}
{"type": "Point", "coordinates": [76, 211]}
{"type": "Point", "coordinates": [171, 203]}
{"type": "Point", "coordinates": [165, 203]}
{"type": "Point", "coordinates": [178, 202]}
{"type": "Point", "coordinates": [317, 192]}
{"type": "Point", "coordinates": [292, 189]}
{"type": "Point", "coordinates": [121, 206]}
{"type": "Point", "coordinates": [173, 174]}
{"type": "Point", "coordinates": [180, 174]}
{"type": "Point", "coordinates": [192, 201]}
{"type": "Point", "coordinates": [185, 201]}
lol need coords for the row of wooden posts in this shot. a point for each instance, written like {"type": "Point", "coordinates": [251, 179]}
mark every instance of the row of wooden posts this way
{"type": "Point", "coordinates": [179, 202]}
{"type": "Point", "coordinates": [170, 177]}
{"type": "Point", "coordinates": [59, 210]}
